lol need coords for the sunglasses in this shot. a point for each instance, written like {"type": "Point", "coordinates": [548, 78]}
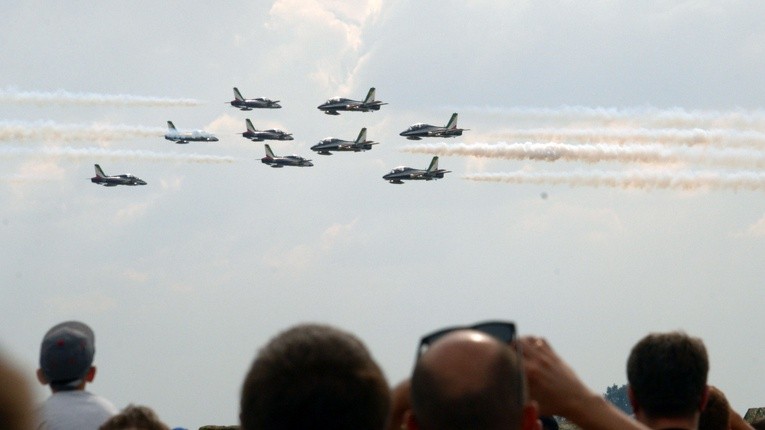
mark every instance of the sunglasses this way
{"type": "Point", "coordinates": [501, 330]}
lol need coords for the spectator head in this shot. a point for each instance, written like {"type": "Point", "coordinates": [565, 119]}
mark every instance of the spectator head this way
{"type": "Point", "coordinates": [468, 379]}
{"type": "Point", "coordinates": [314, 377]}
{"type": "Point", "coordinates": [401, 404]}
{"type": "Point", "coordinates": [135, 418]}
{"type": "Point", "coordinates": [16, 405]}
{"type": "Point", "coordinates": [66, 356]}
{"type": "Point", "coordinates": [667, 374]}
{"type": "Point", "coordinates": [716, 414]}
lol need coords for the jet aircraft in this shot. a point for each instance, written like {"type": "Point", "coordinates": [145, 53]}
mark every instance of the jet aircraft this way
{"type": "Point", "coordinates": [187, 136]}
{"type": "Point", "coordinates": [287, 160]}
{"type": "Point", "coordinates": [113, 181]}
{"type": "Point", "coordinates": [420, 130]}
{"type": "Point", "coordinates": [248, 104]}
{"type": "Point", "coordinates": [261, 135]}
{"type": "Point", "coordinates": [331, 106]}
{"type": "Point", "coordinates": [334, 144]}
{"type": "Point", "coordinates": [400, 174]}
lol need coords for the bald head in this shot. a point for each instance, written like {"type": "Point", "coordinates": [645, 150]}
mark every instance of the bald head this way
{"type": "Point", "coordinates": [468, 380]}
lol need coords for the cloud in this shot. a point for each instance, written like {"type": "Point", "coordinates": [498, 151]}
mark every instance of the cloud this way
{"type": "Point", "coordinates": [131, 212]}
{"type": "Point", "coordinates": [91, 303]}
{"type": "Point", "coordinates": [328, 37]}
{"type": "Point", "coordinates": [593, 225]}
{"type": "Point", "coordinates": [135, 275]}
{"type": "Point", "coordinates": [337, 234]}
{"type": "Point", "coordinates": [171, 184]}
{"type": "Point", "coordinates": [304, 257]}
{"type": "Point", "coordinates": [755, 230]}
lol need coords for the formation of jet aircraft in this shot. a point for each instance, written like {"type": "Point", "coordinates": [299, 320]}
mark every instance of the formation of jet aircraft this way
{"type": "Point", "coordinates": [325, 146]}
{"type": "Point", "coordinates": [333, 105]}
{"type": "Point", "coordinates": [112, 181]}
{"type": "Point", "coordinates": [287, 160]}
{"type": "Point", "coordinates": [402, 173]}
{"type": "Point", "coordinates": [256, 103]}
{"type": "Point", "coordinates": [261, 135]}
{"type": "Point", "coordinates": [188, 136]}
{"type": "Point", "coordinates": [420, 130]}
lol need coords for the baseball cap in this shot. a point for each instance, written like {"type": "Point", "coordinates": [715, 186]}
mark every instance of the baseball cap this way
{"type": "Point", "coordinates": [67, 353]}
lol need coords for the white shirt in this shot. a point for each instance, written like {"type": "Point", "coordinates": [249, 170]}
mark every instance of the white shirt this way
{"type": "Point", "coordinates": [74, 410]}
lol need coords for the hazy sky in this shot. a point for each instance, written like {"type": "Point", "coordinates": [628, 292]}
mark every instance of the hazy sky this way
{"type": "Point", "coordinates": [185, 278]}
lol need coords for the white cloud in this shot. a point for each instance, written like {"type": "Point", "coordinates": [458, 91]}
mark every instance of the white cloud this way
{"type": "Point", "coordinates": [304, 257]}
{"type": "Point", "coordinates": [135, 275]}
{"type": "Point", "coordinates": [755, 230]}
{"type": "Point", "coordinates": [90, 303]}
{"type": "Point", "coordinates": [328, 36]}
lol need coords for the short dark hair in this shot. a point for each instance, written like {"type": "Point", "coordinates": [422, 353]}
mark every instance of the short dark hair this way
{"type": "Point", "coordinates": [135, 417]}
{"type": "Point", "coordinates": [716, 414]}
{"type": "Point", "coordinates": [314, 376]}
{"type": "Point", "coordinates": [500, 401]}
{"type": "Point", "coordinates": [758, 424]}
{"type": "Point", "coordinates": [667, 373]}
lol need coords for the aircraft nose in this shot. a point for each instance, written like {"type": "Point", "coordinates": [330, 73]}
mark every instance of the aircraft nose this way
{"type": "Point", "coordinates": [403, 133]}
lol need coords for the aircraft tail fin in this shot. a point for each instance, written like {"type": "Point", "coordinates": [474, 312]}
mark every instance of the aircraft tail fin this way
{"type": "Point", "coordinates": [452, 121]}
{"type": "Point", "coordinates": [171, 126]}
{"type": "Point", "coordinates": [238, 95]}
{"type": "Point", "coordinates": [99, 172]}
{"type": "Point", "coordinates": [250, 127]}
{"type": "Point", "coordinates": [370, 96]}
{"type": "Point", "coordinates": [362, 136]}
{"type": "Point", "coordinates": [433, 165]}
{"type": "Point", "coordinates": [269, 152]}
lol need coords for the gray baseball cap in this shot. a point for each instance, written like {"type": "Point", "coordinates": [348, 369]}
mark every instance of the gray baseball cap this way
{"type": "Point", "coordinates": [67, 353]}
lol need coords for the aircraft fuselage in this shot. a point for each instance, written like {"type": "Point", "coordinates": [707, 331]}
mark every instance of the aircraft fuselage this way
{"type": "Point", "coordinates": [259, 135]}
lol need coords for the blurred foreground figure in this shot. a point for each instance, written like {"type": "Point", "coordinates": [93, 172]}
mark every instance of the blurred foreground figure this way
{"type": "Point", "coordinates": [667, 375]}
{"type": "Point", "coordinates": [469, 380]}
{"type": "Point", "coordinates": [719, 415]}
{"type": "Point", "coordinates": [716, 414]}
{"type": "Point", "coordinates": [66, 365]}
{"type": "Point", "coordinates": [16, 406]}
{"type": "Point", "coordinates": [314, 377]}
{"type": "Point", "coordinates": [482, 377]}
{"type": "Point", "coordinates": [135, 418]}
{"type": "Point", "coordinates": [401, 405]}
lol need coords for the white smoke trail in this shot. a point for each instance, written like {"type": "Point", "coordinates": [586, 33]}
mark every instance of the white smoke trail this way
{"type": "Point", "coordinates": [593, 153]}
{"type": "Point", "coordinates": [61, 97]}
{"type": "Point", "coordinates": [645, 116]}
{"type": "Point", "coordinates": [48, 130]}
{"type": "Point", "coordinates": [690, 137]}
{"type": "Point", "coordinates": [745, 180]}
{"type": "Point", "coordinates": [110, 154]}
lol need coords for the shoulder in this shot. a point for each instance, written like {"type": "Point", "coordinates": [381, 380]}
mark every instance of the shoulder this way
{"type": "Point", "coordinates": [77, 402]}
{"type": "Point", "coordinates": [98, 402]}
{"type": "Point", "coordinates": [74, 410]}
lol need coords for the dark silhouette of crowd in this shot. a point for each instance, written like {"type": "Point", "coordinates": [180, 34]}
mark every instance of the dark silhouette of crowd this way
{"type": "Point", "coordinates": [478, 377]}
